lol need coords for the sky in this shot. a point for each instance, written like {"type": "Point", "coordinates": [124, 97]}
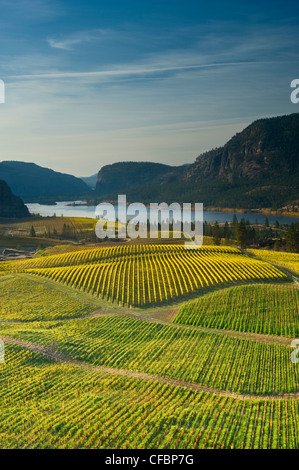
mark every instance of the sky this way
{"type": "Point", "coordinates": [96, 82]}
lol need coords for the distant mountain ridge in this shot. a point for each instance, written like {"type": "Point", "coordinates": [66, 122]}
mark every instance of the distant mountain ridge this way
{"type": "Point", "coordinates": [257, 168]}
{"type": "Point", "coordinates": [33, 182]}
{"type": "Point", "coordinates": [127, 175]}
{"type": "Point", "coordinates": [91, 181]}
{"type": "Point", "coordinates": [11, 206]}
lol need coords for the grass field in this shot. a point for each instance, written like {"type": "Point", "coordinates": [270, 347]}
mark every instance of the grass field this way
{"type": "Point", "coordinates": [43, 225]}
{"type": "Point", "coordinates": [86, 367]}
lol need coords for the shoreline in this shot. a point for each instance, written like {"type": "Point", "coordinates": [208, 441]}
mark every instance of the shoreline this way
{"type": "Point", "coordinates": [266, 211]}
{"type": "Point", "coordinates": [252, 211]}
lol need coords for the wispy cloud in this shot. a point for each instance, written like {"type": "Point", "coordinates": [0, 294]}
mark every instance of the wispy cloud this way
{"type": "Point", "coordinates": [31, 10]}
{"type": "Point", "coordinates": [64, 45]}
{"type": "Point", "coordinates": [67, 42]}
{"type": "Point", "coordinates": [142, 70]}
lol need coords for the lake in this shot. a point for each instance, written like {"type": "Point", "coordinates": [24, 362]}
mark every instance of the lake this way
{"type": "Point", "coordinates": [82, 210]}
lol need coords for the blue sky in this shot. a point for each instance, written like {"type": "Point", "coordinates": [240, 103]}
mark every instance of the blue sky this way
{"type": "Point", "coordinates": [95, 82]}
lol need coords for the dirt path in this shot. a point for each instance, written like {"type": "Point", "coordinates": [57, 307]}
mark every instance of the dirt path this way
{"type": "Point", "coordinates": [260, 338]}
{"type": "Point", "coordinates": [163, 316]}
{"type": "Point", "coordinates": [103, 312]}
{"type": "Point", "coordinates": [52, 354]}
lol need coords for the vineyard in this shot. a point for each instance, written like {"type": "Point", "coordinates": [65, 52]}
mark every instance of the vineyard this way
{"type": "Point", "coordinates": [207, 358]}
{"type": "Point", "coordinates": [60, 406]}
{"type": "Point", "coordinates": [85, 368]}
{"type": "Point", "coordinates": [27, 301]}
{"type": "Point", "coordinates": [265, 309]}
{"type": "Point", "coordinates": [287, 260]}
{"type": "Point", "coordinates": [142, 275]}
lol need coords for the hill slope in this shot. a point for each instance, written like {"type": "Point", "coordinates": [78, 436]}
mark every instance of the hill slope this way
{"type": "Point", "coordinates": [127, 175]}
{"type": "Point", "coordinates": [32, 182]}
{"type": "Point", "coordinates": [11, 206]}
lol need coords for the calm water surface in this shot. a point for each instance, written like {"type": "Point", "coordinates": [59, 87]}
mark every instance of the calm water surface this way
{"type": "Point", "coordinates": [64, 209]}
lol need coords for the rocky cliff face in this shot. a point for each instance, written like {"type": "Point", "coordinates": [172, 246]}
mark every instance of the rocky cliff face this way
{"type": "Point", "coordinates": [11, 206]}
{"type": "Point", "coordinates": [267, 148]}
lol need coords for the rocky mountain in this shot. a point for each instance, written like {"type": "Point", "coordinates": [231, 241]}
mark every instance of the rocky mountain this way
{"type": "Point", "coordinates": [10, 205]}
{"type": "Point", "coordinates": [35, 183]}
{"type": "Point", "coordinates": [257, 168]}
{"type": "Point", "coordinates": [266, 149]}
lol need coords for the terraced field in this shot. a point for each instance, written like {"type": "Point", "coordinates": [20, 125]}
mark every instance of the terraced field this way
{"type": "Point", "coordinates": [83, 372]}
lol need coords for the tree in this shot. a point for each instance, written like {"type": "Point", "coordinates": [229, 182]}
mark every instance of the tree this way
{"type": "Point", "coordinates": [32, 231]}
{"type": "Point", "coordinates": [234, 226]}
{"type": "Point", "coordinates": [64, 231]}
{"type": "Point", "coordinates": [235, 221]}
{"type": "Point", "coordinates": [241, 233]}
{"type": "Point", "coordinates": [226, 233]}
{"type": "Point", "coordinates": [292, 238]}
{"type": "Point", "coordinates": [216, 234]}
